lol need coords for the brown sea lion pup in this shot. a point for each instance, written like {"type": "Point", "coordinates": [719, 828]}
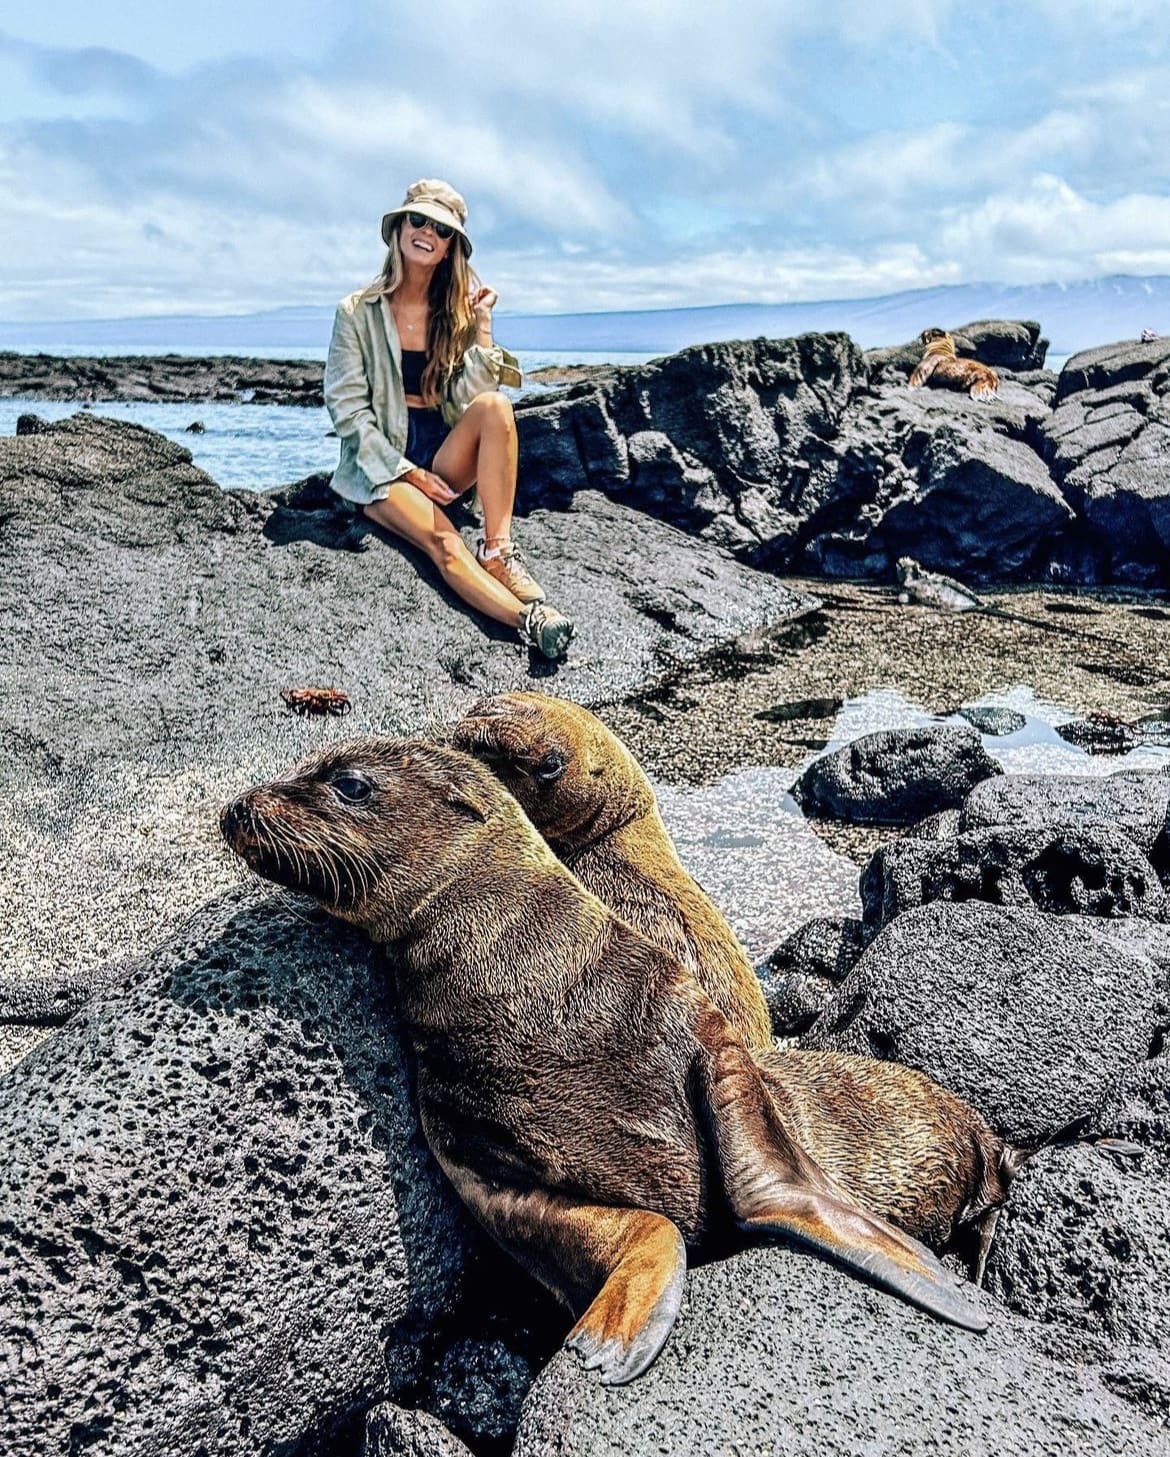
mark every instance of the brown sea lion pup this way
{"type": "Point", "coordinates": [588, 1102]}
{"type": "Point", "coordinates": [942, 369]}
{"type": "Point", "coordinates": [898, 1143]}
{"type": "Point", "coordinates": [587, 795]}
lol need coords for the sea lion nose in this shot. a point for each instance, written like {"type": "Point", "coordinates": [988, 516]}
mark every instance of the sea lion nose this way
{"type": "Point", "coordinates": [235, 817]}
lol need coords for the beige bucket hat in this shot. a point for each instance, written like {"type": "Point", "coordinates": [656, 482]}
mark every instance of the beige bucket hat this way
{"type": "Point", "coordinates": [436, 200]}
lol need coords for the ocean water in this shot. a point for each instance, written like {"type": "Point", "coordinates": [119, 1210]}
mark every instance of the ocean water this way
{"type": "Point", "coordinates": [254, 447]}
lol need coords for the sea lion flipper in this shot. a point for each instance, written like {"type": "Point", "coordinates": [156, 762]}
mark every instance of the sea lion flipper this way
{"type": "Point", "coordinates": [632, 1315]}
{"type": "Point", "coordinates": [774, 1186]}
{"type": "Point", "coordinates": [625, 1267]}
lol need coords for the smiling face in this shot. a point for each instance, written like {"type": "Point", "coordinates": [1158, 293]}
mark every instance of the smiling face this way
{"type": "Point", "coordinates": [422, 247]}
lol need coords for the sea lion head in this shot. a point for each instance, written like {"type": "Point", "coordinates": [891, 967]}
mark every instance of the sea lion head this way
{"type": "Point", "coordinates": [371, 827]}
{"type": "Point", "coordinates": [574, 778]}
{"type": "Point", "coordinates": [937, 341]}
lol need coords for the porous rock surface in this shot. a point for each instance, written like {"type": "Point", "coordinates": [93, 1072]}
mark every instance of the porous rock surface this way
{"type": "Point", "coordinates": [1137, 802]}
{"type": "Point", "coordinates": [776, 1351]}
{"type": "Point", "coordinates": [220, 1230]}
{"type": "Point", "coordinates": [394, 1432]}
{"type": "Point", "coordinates": [896, 776]}
{"type": "Point", "coordinates": [1087, 869]}
{"type": "Point", "coordinates": [1029, 1017]}
{"type": "Point", "coordinates": [799, 977]}
{"type": "Point", "coordinates": [807, 455]}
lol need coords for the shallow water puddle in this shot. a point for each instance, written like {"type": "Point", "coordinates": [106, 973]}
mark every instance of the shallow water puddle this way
{"type": "Point", "coordinates": [746, 841]}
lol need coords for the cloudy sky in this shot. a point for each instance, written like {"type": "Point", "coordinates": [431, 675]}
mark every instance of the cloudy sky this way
{"type": "Point", "coordinates": [233, 155]}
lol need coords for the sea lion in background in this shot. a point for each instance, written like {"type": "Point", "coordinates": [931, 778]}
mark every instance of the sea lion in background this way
{"type": "Point", "coordinates": [942, 369]}
{"type": "Point", "coordinates": [897, 1143]}
{"type": "Point", "coordinates": [588, 796]}
{"type": "Point", "coordinates": [585, 1097]}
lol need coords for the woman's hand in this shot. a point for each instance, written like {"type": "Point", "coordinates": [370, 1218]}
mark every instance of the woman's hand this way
{"type": "Point", "coordinates": [434, 487]}
{"type": "Point", "coordinates": [483, 301]}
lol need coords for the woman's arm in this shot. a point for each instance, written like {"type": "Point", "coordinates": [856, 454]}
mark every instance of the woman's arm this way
{"type": "Point", "coordinates": [347, 398]}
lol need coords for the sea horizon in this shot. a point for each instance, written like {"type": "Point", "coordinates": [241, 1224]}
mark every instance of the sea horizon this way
{"type": "Point", "coordinates": [1072, 317]}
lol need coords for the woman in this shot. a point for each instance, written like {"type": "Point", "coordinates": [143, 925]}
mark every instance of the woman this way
{"type": "Point", "coordinates": [412, 386]}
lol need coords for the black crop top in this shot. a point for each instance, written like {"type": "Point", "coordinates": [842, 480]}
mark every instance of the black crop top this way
{"type": "Point", "coordinates": [413, 363]}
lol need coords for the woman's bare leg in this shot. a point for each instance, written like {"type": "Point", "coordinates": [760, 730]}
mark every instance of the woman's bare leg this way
{"type": "Point", "coordinates": [481, 452]}
{"type": "Point", "coordinates": [407, 512]}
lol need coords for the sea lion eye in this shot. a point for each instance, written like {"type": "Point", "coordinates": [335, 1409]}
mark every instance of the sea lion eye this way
{"type": "Point", "coordinates": [352, 787]}
{"type": "Point", "coordinates": [551, 767]}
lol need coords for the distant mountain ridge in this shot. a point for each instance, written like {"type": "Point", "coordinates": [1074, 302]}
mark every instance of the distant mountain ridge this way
{"type": "Point", "coordinates": [1074, 317]}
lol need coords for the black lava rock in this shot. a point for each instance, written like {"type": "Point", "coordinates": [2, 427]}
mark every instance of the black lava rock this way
{"type": "Point", "coordinates": [1030, 1017]}
{"type": "Point", "coordinates": [896, 776]}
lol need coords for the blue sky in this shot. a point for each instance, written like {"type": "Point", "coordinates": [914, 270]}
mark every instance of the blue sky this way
{"type": "Point", "coordinates": [234, 155]}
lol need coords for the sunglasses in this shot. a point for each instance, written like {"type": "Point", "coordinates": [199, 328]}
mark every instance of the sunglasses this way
{"type": "Point", "coordinates": [417, 220]}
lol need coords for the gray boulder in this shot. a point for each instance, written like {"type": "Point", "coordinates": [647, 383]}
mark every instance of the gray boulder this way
{"type": "Point", "coordinates": [1108, 444]}
{"type": "Point", "coordinates": [896, 776]}
{"type": "Point", "coordinates": [1086, 869]}
{"type": "Point", "coordinates": [220, 1229]}
{"type": "Point", "coordinates": [993, 720]}
{"type": "Point", "coordinates": [1136, 801]}
{"type": "Point", "coordinates": [777, 1352]}
{"type": "Point", "coordinates": [1083, 1244]}
{"type": "Point", "coordinates": [393, 1432]}
{"type": "Point", "coordinates": [798, 977]}
{"type": "Point", "coordinates": [1029, 1017]}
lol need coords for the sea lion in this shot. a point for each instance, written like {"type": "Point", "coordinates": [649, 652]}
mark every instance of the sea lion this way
{"type": "Point", "coordinates": [942, 369]}
{"type": "Point", "coordinates": [896, 1142]}
{"type": "Point", "coordinates": [587, 795]}
{"type": "Point", "coordinates": [583, 1094]}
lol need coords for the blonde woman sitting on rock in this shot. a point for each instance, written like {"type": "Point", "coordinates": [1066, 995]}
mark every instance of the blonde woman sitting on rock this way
{"type": "Point", "coordinates": [412, 384]}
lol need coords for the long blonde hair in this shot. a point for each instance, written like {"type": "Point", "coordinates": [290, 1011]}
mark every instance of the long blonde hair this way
{"type": "Point", "coordinates": [451, 326]}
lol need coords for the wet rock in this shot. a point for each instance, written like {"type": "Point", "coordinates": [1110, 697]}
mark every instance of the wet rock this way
{"type": "Point", "coordinates": [799, 976]}
{"type": "Point", "coordinates": [1135, 801]}
{"type": "Point", "coordinates": [896, 776]}
{"type": "Point", "coordinates": [993, 721]}
{"type": "Point", "coordinates": [1101, 733]}
{"type": "Point", "coordinates": [1108, 445]}
{"type": "Point", "coordinates": [220, 1229]}
{"type": "Point", "coordinates": [1087, 869]}
{"type": "Point", "coordinates": [1030, 1017]}
{"type": "Point", "coordinates": [393, 1432]}
{"type": "Point", "coordinates": [860, 1373]}
{"type": "Point", "coordinates": [196, 427]}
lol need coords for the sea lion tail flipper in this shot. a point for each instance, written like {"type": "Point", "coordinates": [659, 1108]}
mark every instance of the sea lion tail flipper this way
{"type": "Point", "coordinates": [627, 1267]}
{"type": "Point", "coordinates": [775, 1187]}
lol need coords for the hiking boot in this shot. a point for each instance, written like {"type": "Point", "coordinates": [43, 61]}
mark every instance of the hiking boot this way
{"type": "Point", "coordinates": [544, 628]}
{"type": "Point", "coordinates": [509, 570]}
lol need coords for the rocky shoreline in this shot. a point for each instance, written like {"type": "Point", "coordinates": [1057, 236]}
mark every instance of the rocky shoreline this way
{"type": "Point", "coordinates": [224, 379]}
{"type": "Point", "coordinates": [219, 1226]}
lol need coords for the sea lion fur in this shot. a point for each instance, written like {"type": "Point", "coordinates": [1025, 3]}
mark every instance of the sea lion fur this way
{"type": "Point", "coordinates": [941, 368]}
{"type": "Point", "coordinates": [587, 1100]}
{"type": "Point", "coordinates": [588, 796]}
{"type": "Point", "coordinates": [898, 1143]}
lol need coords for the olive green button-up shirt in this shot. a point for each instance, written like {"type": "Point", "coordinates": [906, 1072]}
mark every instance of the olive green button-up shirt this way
{"type": "Point", "coordinates": [367, 402]}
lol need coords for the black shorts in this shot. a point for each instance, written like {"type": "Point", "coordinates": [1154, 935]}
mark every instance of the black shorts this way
{"type": "Point", "coordinates": [426, 431]}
